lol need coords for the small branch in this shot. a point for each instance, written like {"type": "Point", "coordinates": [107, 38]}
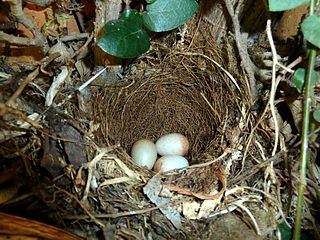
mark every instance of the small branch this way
{"type": "Point", "coordinates": [85, 84]}
{"type": "Point", "coordinates": [74, 37]}
{"type": "Point", "coordinates": [254, 221]}
{"type": "Point", "coordinates": [18, 14]}
{"type": "Point", "coordinates": [91, 166]}
{"type": "Point", "coordinates": [5, 75]}
{"type": "Point", "coordinates": [78, 17]}
{"type": "Point", "coordinates": [86, 210]}
{"type": "Point", "coordinates": [227, 151]}
{"type": "Point", "coordinates": [22, 41]}
{"type": "Point", "coordinates": [84, 46]}
{"type": "Point", "coordinates": [117, 215]}
{"type": "Point", "coordinates": [271, 99]}
{"type": "Point", "coordinates": [242, 47]}
{"type": "Point", "coordinates": [31, 77]}
{"type": "Point", "coordinates": [273, 87]}
{"type": "Point", "coordinates": [276, 159]}
{"type": "Point", "coordinates": [6, 109]}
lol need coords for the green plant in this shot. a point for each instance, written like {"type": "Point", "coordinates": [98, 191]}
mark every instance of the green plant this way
{"type": "Point", "coordinates": [304, 80]}
{"type": "Point", "coordinates": [126, 37]}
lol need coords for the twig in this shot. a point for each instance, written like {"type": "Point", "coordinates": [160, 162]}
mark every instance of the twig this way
{"type": "Point", "coordinates": [20, 41]}
{"type": "Point", "coordinates": [278, 204]}
{"type": "Point", "coordinates": [84, 85]}
{"type": "Point", "coordinates": [214, 62]}
{"type": "Point", "coordinates": [74, 37]}
{"type": "Point", "coordinates": [276, 159]}
{"type": "Point", "coordinates": [311, 134]}
{"type": "Point", "coordinates": [210, 105]}
{"type": "Point", "coordinates": [273, 87]}
{"type": "Point", "coordinates": [99, 223]}
{"type": "Point", "coordinates": [116, 215]}
{"type": "Point", "coordinates": [78, 17]}
{"type": "Point", "coordinates": [271, 98]}
{"type": "Point", "coordinates": [17, 12]}
{"type": "Point", "coordinates": [83, 46]}
{"type": "Point", "coordinates": [31, 77]}
{"type": "Point", "coordinates": [6, 109]}
{"type": "Point", "coordinates": [202, 196]}
{"type": "Point", "coordinates": [250, 215]}
{"type": "Point", "coordinates": [5, 75]}
{"type": "Point", "coordinates": [292, 65]}
{"type": "Point", "coordinates": [242, 48]}
{"type": "Point", "coordinates": [210, 162]}
{"type": "Point", "coordinates": [91, 166]}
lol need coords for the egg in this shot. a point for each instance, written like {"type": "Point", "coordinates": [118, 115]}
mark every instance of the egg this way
{"type": "Point", "coordinates": [144, 153]}
{"type": "Point", "coordinates": [170, 162]}
{"type": "Point", "coordinates": [172, 144]}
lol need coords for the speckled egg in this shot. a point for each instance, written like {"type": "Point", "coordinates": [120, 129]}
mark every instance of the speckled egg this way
{"type": "Point", "coordinates": [144, 153]}
{"type": "Point", "coordinates": [170, 162]}
{"type": "Point", "coordinates": [172, 144]}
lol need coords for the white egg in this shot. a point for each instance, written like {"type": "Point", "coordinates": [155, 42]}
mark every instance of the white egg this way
{"type": "Point", "coordinates": [144, 153]}
{"type": "Point", "coordinates": [170, 162]}
{"type": "Point", "coordinates": [172, 144]}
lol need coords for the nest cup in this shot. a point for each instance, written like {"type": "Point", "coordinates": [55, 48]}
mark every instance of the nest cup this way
{"type": "Point", "coordinates": [171, 93]}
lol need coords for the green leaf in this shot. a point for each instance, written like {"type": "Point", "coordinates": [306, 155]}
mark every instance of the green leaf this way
{"type": "Point", "coordinates": [285, 231]}
{"type": "Point", "coordinates": [133, 16]}
{"type": "Point", "coordinates": [282, 5]}
{"type": "Point", "coordinates": [299, 78]}
{"type": "Point", "coordinates": [165, 15]}
{"type": "Point", "coordinates": [124, 39]}
{"type": "Point", "coordinates": [316, 115]}
{"type": "Point", "coordinates": [311, 30]}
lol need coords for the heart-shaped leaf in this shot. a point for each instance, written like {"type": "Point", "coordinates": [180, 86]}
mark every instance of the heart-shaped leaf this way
{"type": "Point", "coordinates": [282, 5]}
{"type": "Point", "coordinates": [299, 78]}
{"type": "Point", "coordinates": [124, 39]}
{"type": "Point", "coordinates": [311, 30]}
{"type": "Point", "coordinates": [316, 115]}
{"type": "Point", "coordinates": [285, 231]}
{"type": "Point", "coordinates": [133, 16]}
{"type": "Point", "coordinates": [165, 15]}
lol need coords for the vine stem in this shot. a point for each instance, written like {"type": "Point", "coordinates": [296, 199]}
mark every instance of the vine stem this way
{"type": "Point", "coordinates": [305, 131]}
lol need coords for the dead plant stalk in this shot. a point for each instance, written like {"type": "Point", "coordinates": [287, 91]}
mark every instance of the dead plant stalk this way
{"type": "Point", "coordinates": [271, 103]}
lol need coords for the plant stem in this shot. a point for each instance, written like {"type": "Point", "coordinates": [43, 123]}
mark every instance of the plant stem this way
{"type": "Point", "coordinates": [305, 130]}
{"type": "Point", "coordinates": [304, 146]}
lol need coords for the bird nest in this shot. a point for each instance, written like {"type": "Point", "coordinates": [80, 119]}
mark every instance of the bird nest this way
{"type": "Point", "coordinates": [169, 90]}
{"type": "Point", "coordinates": [185, 91]}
